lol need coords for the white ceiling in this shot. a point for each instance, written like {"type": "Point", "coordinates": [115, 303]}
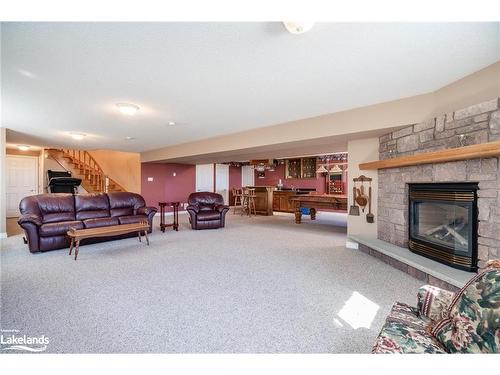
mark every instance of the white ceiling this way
{"type": "Point", "coordinates": [217, 78]}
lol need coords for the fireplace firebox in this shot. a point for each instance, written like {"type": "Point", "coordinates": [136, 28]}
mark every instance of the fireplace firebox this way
{"type": "Point", "coordinates": [443, 223]}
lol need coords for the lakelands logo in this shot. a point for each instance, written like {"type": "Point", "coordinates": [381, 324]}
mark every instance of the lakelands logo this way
{"type": "Point", "coordinates": [11, 340]}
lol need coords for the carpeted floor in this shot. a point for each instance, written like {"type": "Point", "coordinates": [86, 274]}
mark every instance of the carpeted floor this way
{"type": "Point", "coordinates": [261, 285]}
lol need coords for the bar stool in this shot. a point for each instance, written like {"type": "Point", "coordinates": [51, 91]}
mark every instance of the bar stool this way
{"type": "Point", "coordinates": [238, 202]}
{"type": "Point", "coordinates": [249, 201]}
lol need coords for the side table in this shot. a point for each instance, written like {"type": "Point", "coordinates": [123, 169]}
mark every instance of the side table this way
{"type": "Point", "coordinates": [175, 224]}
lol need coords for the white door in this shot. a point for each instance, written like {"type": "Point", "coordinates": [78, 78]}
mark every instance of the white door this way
{"type": "Point", "coordinates": [204, 177]}
{"type": "Point", "coordinates": [22, 180]}
{"type": "Point", "coordinates": [247, 176]}
{"type": "Point", "coordinates": [222, 181]}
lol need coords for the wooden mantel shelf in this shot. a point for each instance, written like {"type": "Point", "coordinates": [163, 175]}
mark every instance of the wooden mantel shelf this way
{"type": "Point", "coordinates": [483, 150]}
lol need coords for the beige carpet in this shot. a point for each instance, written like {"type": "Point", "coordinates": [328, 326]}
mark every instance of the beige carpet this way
{"type": "Point", "coordinates": [261, 285]}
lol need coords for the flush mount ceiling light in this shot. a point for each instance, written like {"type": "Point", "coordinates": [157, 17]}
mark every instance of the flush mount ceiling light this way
{"type": "Point", "coordinates": [298, 27]}
{"type": "Point", "coordinates": [78, 136]}
{"type": "Point", "coordinates": [127, 108]}
{"type": "Point", "coordinates": [23, 147]}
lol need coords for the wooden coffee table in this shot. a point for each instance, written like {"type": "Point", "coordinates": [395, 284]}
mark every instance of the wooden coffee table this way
{"type": "Point", "coordinates": [77, 235]}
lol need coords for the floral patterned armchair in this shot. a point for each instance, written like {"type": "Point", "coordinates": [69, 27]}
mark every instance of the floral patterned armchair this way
{"type": "Point", "coordinates": [444, 322]}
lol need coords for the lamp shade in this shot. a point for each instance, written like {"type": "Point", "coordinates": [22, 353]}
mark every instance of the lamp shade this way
{"type": "Point", "coordinates": [322, 169]}
{"type": "Point", "coordinates": [336, 170]}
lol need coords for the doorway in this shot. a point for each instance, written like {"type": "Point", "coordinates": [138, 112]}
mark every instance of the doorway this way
{"type": "Point", "coordinates": [204, 177]}
{"type": "Point", "coordinates": [222, 181]}
{"type": "Point", "coordinates": [21, 175]}
{"type": "Point", "coordinates": [247, 176]}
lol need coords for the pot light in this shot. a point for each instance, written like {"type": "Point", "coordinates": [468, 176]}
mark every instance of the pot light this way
{"type": "Point", "coordinates": [298, 27]}
{"type": "Point", "coordinates": [171, 123]}
{"type": "Point", "coordinates": [78, 136]}
{"type": "Point", "coordinates": [127, 108]}
{"type": "Point", "coordinates": [23, 147]}
{"type": "Point", "coordinates": [129, 138]}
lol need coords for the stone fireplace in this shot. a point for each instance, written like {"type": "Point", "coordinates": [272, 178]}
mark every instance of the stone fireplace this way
{"type": "Point", "coordinates": [473, 125]}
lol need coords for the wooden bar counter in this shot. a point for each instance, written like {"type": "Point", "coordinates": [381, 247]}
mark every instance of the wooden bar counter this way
{"type": "Point", "coordinates": [263, 199]}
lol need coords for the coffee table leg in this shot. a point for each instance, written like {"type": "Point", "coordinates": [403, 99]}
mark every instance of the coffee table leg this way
{"type": "Point", "coordinates": [146, 235]}
{"type": "Point", "coordinates": [77, 248]}
{"type": "Point", "coordinates": [139, 235]}
{"type": "Point", "coordinates": [312, 211]}
{"type": "Point", "coordinates": [71, 246]}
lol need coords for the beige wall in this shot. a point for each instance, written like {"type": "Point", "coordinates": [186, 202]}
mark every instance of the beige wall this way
{"type": "Point", "coordinates": [123, 167]}
{"type": "Point", "coordinates": [3, 196]}
{"type": "Point", "coordinates": [475, 88]}
{"type": "Point", "coordinates": [361, 151]}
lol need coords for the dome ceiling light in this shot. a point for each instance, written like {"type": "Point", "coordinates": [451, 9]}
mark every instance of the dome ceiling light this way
{"type": "Point", "coordinates": [77, 136]}
{"type": "Point", "coordinates": [127, 108]}
{"type": "Point", "coordinates": [23, 147]}
{"type": "Point", "coordinates": [298, 27]}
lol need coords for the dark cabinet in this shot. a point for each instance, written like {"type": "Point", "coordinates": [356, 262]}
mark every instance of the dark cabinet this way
{"type": "Point", "coordinates": [281, 202]}
{"type": "Point", "coordinates": [300, 168]}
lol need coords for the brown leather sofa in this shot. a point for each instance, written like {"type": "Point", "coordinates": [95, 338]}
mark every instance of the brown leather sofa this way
{"type": "Point", "coordinates": [206, 210]}
{"type": "Point", "coordinates": [46, 218]}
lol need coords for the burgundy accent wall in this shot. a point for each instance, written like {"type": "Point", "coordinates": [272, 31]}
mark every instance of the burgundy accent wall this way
{"type": "Point", "coordinates": [234, 177]}
{"type": "Point", "coordinates": [272, 178]}
{"type": "Point", "coordinates": [166, 187]}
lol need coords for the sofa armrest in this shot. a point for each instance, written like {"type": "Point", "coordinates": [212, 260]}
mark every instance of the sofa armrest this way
{"type": "Point", "coordinates": [146, 210]}
{"type": "Point", "coordinates": [220, 208]}
{"type": "Point", "coordinates": [193, 208]}
{"type": "Point", "coordinates": [30, 218]}
{"type": "Point", "coordinates": [433, 302]}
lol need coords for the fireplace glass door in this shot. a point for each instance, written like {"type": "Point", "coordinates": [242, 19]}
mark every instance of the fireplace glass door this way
{"type": "Point", "coordinates": [443, 223]}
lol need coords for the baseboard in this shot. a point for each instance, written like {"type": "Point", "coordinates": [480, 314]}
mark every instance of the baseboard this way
{"type": "Point", "coordinates": [3, 235]}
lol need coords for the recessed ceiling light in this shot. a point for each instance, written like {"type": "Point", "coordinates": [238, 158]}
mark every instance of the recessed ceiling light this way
{"type": "Point", "coordinates": [77, 136]}
{"type": "Point", "coordinates": [129, 138]}
{"type": "Point", "coordinates": [171, 123]}
{"type": "Point", "coordinates": [298, 27]}
{"type": "Point", "coordinates": [23, 147]}
{"type": "Point", "coordinates": [127, 108]}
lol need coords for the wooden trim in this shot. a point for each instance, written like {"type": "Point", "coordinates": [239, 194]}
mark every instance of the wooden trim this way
{"type": "Point", "coordinates": [483, 150]}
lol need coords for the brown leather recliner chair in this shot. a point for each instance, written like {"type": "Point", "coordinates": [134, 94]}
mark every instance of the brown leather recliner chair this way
{"type": "Point", "coordinates": [46, 218]}
{"type": "Point", "coordinates": [206, 210]}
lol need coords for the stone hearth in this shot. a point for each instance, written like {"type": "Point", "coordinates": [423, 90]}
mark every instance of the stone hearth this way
{"type": "Point", "coordinates": [473, 125]}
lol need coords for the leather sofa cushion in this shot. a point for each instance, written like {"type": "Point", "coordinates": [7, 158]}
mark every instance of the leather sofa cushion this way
{"type": "Point", "coordinates": [60, 228]}
{"type": "Point", "coordinates": [205, 199]}
{"type": "Point", "coordinates": [91, 206]}
{"type": "Point", "coordinates": [124, 203]}
{"type": "Point", "coordinates": [100, 222]}
{"type": "Point", "coordinates": [132, 219]}
{"type": "Point", "coordinates": [56, 207]}
{"type": "Point", "coordinates": [208, 215]}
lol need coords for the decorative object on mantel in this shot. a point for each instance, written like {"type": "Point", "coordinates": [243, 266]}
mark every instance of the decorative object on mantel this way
{"type": "Point", "coordinates": [478, 151]}
{"type": "Point", "coordinates": [361, 198]}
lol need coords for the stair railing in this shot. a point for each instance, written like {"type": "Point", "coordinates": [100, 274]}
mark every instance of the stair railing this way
{"type": "Point", "coordinates": [90, 167]}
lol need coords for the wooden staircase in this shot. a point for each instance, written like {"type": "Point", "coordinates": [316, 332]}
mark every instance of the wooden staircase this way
{"type": "Point", "coordinates": [82, 165]}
